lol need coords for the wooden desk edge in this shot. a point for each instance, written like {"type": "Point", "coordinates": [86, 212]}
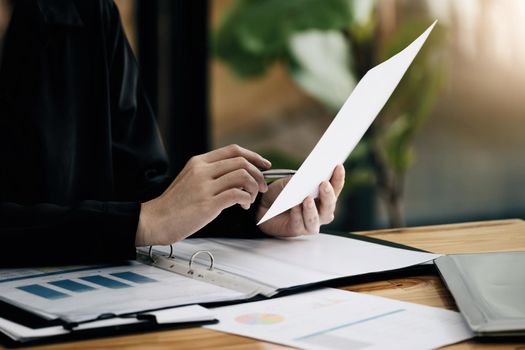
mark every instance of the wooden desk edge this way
{"type": "Point", "coordinates": [443, 228]}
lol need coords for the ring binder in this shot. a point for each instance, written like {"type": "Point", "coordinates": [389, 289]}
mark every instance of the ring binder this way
{"type": "Point", "coordinates": [150, 252]}
{"type": "Point", "coordinates": [222, 270]}
{"type": "Point", "coordinates": [194, 255]}
{"type": "Point", "coordinates": [186, 267]}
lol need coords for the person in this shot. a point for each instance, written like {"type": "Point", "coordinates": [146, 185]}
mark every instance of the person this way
{"type": "Point", "coordinates": [83, 175]}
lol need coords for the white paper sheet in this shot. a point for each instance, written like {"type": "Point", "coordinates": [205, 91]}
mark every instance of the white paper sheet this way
{"type": "Point", "coordinates": [125, 289]}
{"type": "Point", "coordinates": [337, 319]}
{"type": "Point", "coordinates": [347, 128]}
{"type": "Point", "coordinates": [282, 263]}
{"type": "Point", "coordinates": [191, 313]}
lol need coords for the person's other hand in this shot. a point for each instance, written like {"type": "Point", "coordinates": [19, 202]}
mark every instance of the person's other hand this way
{"type": "Point", "coordinates": [208, 184]}
{"type": "Point", "coordinates": [307, 217]}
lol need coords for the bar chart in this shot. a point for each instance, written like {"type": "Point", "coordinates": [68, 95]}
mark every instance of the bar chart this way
{"type": "Point", "coordinates": [65, 288]}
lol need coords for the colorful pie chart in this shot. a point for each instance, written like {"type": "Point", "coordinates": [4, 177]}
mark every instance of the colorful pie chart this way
{"type": "Point", "coordinates": [259, 319]}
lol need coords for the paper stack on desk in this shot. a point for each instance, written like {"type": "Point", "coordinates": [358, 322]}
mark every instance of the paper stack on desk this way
{"type": "Point", "coordinates": [338, 319]}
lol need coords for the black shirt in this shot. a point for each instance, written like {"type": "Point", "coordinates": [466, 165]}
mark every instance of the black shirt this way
{"type": "Point", "coordinates": [79, 144]}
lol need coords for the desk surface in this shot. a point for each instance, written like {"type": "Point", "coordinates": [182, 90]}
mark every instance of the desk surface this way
{"type": "Point", "coordinates": [505, 235]}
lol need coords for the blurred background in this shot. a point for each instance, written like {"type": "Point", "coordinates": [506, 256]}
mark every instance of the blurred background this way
{"type": "Point", "coordinates": [270, 75]}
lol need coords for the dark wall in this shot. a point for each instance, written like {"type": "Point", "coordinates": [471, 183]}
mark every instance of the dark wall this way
{"type": "Point", "coordinates": [173, 53]}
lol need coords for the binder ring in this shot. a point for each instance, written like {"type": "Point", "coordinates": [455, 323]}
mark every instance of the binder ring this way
{"type": "Point", "coordinates": [195, 255]}
{"type": "Point", "coordinates": [150, 253]}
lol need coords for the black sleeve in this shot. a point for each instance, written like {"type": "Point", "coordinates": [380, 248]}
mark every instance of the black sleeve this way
{"type": "Point", "coordinates": [139, 157]}
{"type": "Point", "coordinates": [96, 231]}
{"type": "Point", "coordinates": [47, 234]}
{"type": "Point", "coordinates": [102, 231]}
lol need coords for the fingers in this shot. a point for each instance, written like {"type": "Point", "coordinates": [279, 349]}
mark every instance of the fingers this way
{"type": "Point", "coordinates": [231, 197]}
{"type": "Point", "coordinates": [307, 217]}
{"type": "Point", "coordinates": [304, 219]}
{"type": "Point", "coordinates": [327, 202]}
{"type": "Point", "coordinates": [338, 179]}
{"type": "Point", "coordinates": [233, 151]}
{"type": "Point", "coordinates": [225, 166]}
{"type": "Point", "coordinates": [240, 179]}
{"type": "Point", "coordinates": [296, 222]}
{"type": "Point", "coordinates": [328, 193]}
{"type": "Point", "coordinates": [310, 216]}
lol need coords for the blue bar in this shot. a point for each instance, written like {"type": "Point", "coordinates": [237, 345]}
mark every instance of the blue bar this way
{"type": "Point", "coordinates": [43, 292]}
{"type": "Point", "coordinates": [105, 282]}
{"type": "Point", "coordinates": [133, 277]}
{"type": "Point", "coordinates": [72, 286]}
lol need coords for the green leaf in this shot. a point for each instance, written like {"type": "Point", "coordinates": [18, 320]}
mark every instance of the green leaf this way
{"type": "Point", "coordinates": [397, 141]}
{"type": "Point", "coordinates": [322, 66]}
{"type": "Point", "coordinates": [255, 33]}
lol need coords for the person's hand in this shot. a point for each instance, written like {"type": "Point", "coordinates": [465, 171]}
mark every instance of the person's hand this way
{"type": "Point", "coordinates": [307, 217]}
{"type": "Point", "coordinates": [208, 184]}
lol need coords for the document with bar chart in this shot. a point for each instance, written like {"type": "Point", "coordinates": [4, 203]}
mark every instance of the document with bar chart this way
{"type": "Point", "coordinates": [76, 294]}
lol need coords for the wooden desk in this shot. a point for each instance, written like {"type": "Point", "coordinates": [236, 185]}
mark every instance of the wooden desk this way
{"type": "Point", "coordinates": [487, 236]}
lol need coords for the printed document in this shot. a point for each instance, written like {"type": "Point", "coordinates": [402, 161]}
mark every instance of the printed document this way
{"type": "Point", "coordinates": [83, 294]}
{"type": "Point", "coordinates": [338, 319]}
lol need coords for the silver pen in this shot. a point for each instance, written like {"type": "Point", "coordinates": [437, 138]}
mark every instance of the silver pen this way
{"type": "Point", "coordinates": [274, 174]}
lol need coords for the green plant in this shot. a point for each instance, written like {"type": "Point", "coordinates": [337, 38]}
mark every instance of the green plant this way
{"type": "Point", "coordinates": [328, 46]}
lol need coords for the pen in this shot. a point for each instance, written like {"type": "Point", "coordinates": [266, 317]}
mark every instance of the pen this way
{"type": "Point", "coordinates": [274, 174]}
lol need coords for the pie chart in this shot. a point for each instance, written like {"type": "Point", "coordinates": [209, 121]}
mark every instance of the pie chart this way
{"type": "Point", "coordinates": [259, 319]}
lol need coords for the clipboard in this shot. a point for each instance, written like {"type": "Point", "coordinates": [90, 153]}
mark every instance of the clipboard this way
{"type": "Point", "coordinates": [58, 331]}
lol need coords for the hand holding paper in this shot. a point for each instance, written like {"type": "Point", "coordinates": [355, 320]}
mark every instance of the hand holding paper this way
{"type": "Point", "coordinates": [347, 128]}
{"type": "Point", "coordinates": [305, 219]}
